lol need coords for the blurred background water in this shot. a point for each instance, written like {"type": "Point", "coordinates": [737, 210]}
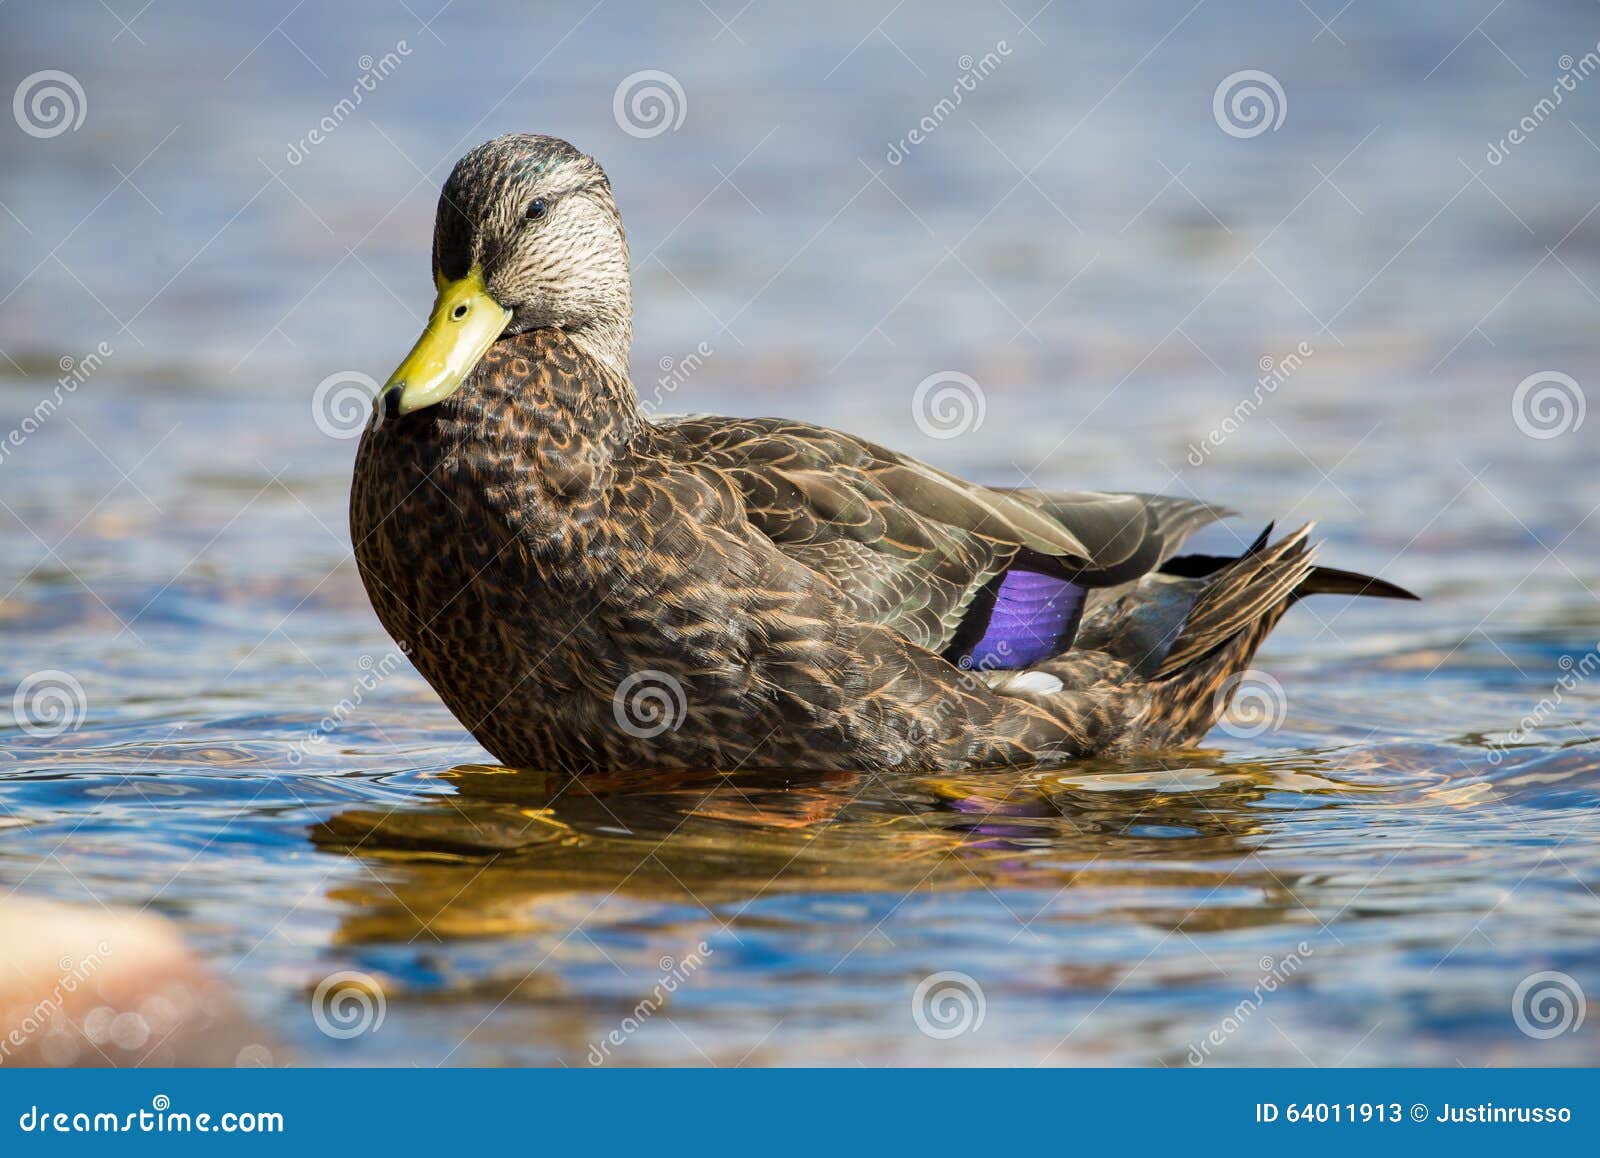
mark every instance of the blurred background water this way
{"type": "Point", "coordinates": [190, 280]}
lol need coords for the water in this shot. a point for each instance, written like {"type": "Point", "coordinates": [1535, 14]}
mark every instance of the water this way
{"type": "Point", "coordinates": [1372, 878]}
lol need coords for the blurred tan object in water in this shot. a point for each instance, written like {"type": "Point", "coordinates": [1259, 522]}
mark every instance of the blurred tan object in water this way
{"type": "Point", "coordinates": [104, 987]}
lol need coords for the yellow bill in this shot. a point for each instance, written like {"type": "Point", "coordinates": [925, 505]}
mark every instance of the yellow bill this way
{"type": "Point", "coordinates": [465, 322]}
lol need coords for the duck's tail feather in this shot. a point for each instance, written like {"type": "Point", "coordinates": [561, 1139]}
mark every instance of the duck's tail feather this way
{"type": "Point", "coordinates": [1242, 601]}
{"type": "Point", "coordinates": [1256, 586]}
{"type": "Point", "coordinates": [1332, 581]}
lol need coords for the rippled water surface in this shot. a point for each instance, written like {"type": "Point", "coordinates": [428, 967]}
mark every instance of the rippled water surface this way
{"type": "Point", "coordinates": [1372, 871]}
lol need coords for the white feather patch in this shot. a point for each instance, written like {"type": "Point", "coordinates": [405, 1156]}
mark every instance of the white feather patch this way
{"type": "Point", "coordinates": [1032, 683]}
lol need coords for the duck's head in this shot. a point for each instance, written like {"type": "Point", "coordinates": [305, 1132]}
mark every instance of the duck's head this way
{"type": "Point", "coordinates": [527, 235]}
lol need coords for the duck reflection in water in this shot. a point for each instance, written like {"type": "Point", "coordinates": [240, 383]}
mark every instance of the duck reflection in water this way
{"type": "Point", "coordinates": [481, 861]}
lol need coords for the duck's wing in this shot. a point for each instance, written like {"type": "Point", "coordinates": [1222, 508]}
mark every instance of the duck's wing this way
{"type": "Point", "coordinates": [953, 566]}
{"type": "Point", "coordinates": [1132, 533]}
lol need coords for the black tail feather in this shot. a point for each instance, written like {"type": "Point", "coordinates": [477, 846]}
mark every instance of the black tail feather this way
{"type": "Point", "coordinates": [1332, 581]}
{"type": "Point", "coordinates": [1321, 581]}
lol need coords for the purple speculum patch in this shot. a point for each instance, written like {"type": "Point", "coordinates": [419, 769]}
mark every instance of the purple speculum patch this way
{"type": "Point", "coordinates": [1034, 617]}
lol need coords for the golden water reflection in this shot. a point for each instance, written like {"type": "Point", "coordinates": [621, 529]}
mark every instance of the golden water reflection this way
{"type": "Point", "coordinates": [483, 861]}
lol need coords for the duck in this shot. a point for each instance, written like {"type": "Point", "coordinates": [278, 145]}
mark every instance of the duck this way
{"type": "Point", "coordinates": [591, 587]}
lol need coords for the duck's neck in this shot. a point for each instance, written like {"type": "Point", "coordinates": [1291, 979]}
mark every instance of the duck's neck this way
{"type": "Point", "coordinates": [536, 437]}
{"type": "Point", "coordinates": [573, 386]}
{"type": "Point", "coordinates": [607, 343]}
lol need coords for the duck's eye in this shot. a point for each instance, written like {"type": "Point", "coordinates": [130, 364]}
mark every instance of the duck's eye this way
{"type": "Point", "coordinates": [536, 209]}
